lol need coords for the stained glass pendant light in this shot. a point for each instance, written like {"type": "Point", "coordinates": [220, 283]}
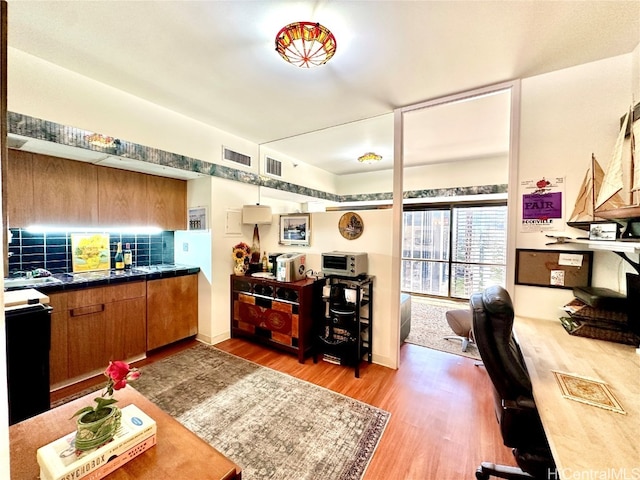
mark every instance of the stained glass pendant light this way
{"type": "Point", "coordinates": [370, 157]}
{"type": "Point", "coordinates": [305, 44]}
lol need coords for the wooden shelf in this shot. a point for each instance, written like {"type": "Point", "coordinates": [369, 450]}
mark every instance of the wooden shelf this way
{"type": "Point", "coordinates": [611, 246]}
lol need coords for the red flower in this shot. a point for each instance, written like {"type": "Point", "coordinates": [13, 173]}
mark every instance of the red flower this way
{"type": "Point", "coordinates": [119, 373]}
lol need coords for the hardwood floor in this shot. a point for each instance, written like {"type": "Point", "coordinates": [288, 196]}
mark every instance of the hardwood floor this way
{"type": "Point", "coordinates": [442, 420]}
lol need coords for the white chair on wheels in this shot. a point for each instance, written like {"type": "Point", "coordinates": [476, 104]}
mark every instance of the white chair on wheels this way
{"type": "Point", "coordinates": [460, 322]}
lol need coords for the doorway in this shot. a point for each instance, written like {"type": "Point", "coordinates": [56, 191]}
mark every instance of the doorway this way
{"type": "Point", "coordinates": [459, 150]}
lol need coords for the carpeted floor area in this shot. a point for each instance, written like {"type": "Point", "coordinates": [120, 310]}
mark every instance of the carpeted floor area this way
{"type": "Point", "coordinates": [273, 425]}
{"type": "Point", "coordinates": [429, 327]}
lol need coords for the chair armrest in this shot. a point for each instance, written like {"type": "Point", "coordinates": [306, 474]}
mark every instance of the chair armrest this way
{"type": "Point", "coordinates": [520, 403]}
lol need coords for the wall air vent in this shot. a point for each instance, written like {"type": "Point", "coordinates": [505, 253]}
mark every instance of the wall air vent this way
{"type": "Point", "coordinates": [235, 157]}
{"type": "Point", "coordinates": [274, 167]}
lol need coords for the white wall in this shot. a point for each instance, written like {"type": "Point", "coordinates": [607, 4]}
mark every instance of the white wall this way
{"type": "Point", "coordinates": [47, 91]}
{"type": "Point", "coordinates": [471, 172]}
{"type": "Point", "coordinates": [375, 240]}
{"type": "Point", "coordinates": [566, 115]}
{"type": "Point", "coordinates": [296, 171]}
{"type": "Point", "coordinates": [194, 248]}
{"type": "Point", "coordinates": [222, 195]}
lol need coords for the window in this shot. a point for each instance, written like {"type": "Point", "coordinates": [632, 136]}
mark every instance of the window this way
{"type": "Point", "coordinates": [454, 251]}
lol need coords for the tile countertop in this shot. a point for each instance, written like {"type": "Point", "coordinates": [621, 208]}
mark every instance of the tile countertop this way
{"type": "Point", "coordinates": [74, 281]}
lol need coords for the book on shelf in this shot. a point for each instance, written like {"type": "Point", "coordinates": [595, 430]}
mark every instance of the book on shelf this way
{"type": "Point", "coordinates": [59, 460]}
{"type": "Point", "coordinates": [331, 358]}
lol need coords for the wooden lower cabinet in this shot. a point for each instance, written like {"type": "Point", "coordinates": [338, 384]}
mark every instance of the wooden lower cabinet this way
{"type": "Point", "coordinates": [95, 325]}
{"type": "Point", "coordinates": [172, 310]}
{"type": "Point", "coordinates": [126, 325]}
{"type": "Point", "coordinates": [58, 356]}
{"type": "Point", "coordinates": [104, 324]}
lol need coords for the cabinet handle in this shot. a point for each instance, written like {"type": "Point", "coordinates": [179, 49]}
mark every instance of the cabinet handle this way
{"type": "Point", "coordinates": [77, 312]}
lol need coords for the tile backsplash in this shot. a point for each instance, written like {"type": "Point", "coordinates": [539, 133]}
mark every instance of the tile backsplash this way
{"type": "Point", "coordinates": [52, 251]}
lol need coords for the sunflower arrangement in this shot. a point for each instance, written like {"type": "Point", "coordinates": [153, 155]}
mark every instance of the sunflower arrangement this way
{"type": "Point", "coordinates": [241, 253]}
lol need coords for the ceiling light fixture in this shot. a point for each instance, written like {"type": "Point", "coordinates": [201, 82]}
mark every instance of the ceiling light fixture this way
{"type": "Point", "coordinates": [370, 157]}
{"type": "Point", "coordinates": [100, 140]}
{"type": "Point", "coordinates": [305, 44]}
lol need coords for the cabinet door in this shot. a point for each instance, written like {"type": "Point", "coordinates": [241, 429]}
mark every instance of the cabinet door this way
{"type": "Point", "coordinates": [172, 310]}
{"type": "Point", "coordinates": [121, 197]}
{"type": "Point", "coordinates": [87, 340]}
{"type": "Point", "coordinates": [126, 326]}
{"type": "Point", "coordinates": [58, 356]}
{"type": "Point", "coordinates": [167, 199]}
{"type": "Point", "coordinates": [64, 191]}
{"type": "Point", "coordinates": [19, 185]}
{"type": "Point", "coordinates": [87, 331]}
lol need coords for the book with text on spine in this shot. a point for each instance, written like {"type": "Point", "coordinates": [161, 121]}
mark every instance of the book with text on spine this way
{"type": "Point", "coordinates": [59, 460]}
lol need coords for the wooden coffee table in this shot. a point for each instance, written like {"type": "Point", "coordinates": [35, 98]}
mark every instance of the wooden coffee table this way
{"type": "Point", "coordinates": [179, 453]}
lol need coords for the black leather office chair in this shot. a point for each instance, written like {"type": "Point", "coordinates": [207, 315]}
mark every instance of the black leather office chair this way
{"type": "Point", "coordinates": [515, 409]}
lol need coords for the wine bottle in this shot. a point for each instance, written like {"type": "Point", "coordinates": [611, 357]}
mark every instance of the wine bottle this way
{"type": "Point", "coordinates": [128, 256]}
{"type": "Point", "coordinates": [265, 262]}
{"type": "Point", "coordinates": [119, 257]}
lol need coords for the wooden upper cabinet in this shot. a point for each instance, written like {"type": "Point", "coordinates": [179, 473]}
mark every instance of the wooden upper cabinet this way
{"type": "Point", "coordinates": [121, 197]}
{"type": "Point", "coordinates": [167, 203]}
{"type": "Point", "coordinates": [19, 185]}
{"type": "Point", "coordinates": [47, 190]}
{"type": "Point", "coordinates": [64, 191]}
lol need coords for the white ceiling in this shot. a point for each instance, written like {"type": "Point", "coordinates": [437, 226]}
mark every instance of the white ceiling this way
{"type": "Point", "coordinates": [214, 61]}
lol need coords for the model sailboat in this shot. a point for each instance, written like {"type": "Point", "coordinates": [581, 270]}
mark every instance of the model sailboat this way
{"type": "Point", "coordinates": [602, 194]}
{"type": "Point", "coordinates": [584, 211]}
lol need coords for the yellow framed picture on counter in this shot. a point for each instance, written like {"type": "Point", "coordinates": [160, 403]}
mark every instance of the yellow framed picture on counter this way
{"type": "Point", "coordinates": [90, 252]}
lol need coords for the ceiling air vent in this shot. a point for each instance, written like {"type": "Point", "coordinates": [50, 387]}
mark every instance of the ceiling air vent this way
{"type": "Point", "coordinates": [236, 157]}
{"type": "Point", "coordinates": [274, 167]}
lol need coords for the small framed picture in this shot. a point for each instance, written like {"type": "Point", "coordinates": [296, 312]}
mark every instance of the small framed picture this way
{"type": "Point", "coordinates": [197, 218]}
{"type": "Point", "coordinates": [295, 229]}
{"type": "Point", "coordinates": [603, 231]}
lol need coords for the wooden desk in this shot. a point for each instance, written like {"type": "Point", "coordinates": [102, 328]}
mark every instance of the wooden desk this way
{"type": "Point", "coordinates": [584, 439]}
{"type": "Point", "coordinates": [179, 453]}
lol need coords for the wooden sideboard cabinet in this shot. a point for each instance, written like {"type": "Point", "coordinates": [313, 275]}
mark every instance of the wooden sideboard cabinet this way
{"type": "Point", "coordinates": [280, 314]}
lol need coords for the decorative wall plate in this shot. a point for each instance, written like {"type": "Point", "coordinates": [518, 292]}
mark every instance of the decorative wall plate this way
{"type": "Point", "coordinates": [350, 225]}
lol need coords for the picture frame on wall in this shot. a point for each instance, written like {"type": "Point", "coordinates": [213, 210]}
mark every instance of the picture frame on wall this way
{"type": "Point", "coordinates": [603, 231]}
{"type": "Point", "coordinates": [197, 217]}
{"type": "Point", "coordinates": [295, 229]}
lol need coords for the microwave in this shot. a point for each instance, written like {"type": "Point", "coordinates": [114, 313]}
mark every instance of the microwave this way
{"type": "Point", "coordinates": [348, 264]}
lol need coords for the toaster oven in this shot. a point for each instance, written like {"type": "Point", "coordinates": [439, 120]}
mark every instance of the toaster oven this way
{"type": "Point", "coordinates": [347, 264]}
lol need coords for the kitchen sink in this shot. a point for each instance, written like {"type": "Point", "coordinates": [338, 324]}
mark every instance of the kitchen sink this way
{"type": "Point", "coordinates": [29, 282]}
{"type": "Point", "coordinates": [163, 267]}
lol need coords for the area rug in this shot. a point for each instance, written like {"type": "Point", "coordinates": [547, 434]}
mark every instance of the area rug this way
{"type": "Point", "coordinates": [273, 425]}
{"type": "Point", "coordinates": [429, 327]}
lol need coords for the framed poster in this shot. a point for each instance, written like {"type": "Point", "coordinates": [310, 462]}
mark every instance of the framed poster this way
{"type": "Point", "coordinates": [295, 229]}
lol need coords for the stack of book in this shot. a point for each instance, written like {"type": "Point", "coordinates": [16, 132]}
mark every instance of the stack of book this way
{"type": "Point", "coordinates": [59, 460]}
